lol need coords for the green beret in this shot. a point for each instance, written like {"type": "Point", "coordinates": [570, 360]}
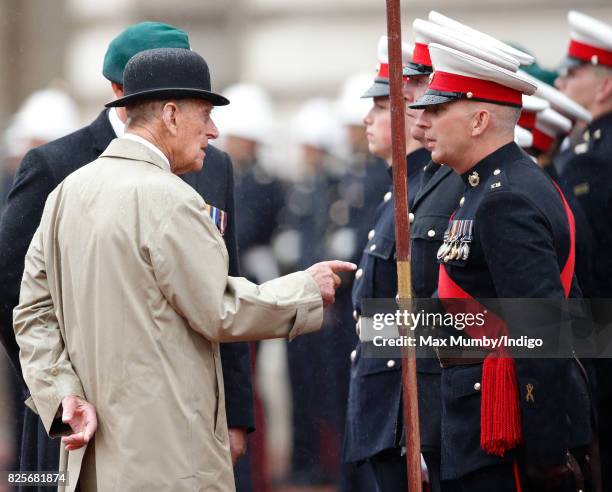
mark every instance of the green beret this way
{"type": "Point", "coordinates": [137, 38]}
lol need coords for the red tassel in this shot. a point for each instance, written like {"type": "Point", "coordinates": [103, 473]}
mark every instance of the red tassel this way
{"type": "Point", "coordinates": [500, 408]}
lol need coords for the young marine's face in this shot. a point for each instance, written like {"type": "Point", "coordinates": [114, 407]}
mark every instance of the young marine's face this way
{"type": "Point", "coordinates": [378, 128]}
{"type": "Point", "coordinates": [195, 128]}
{"type": "Point", "coordinates": [579, 84]}
{"type": "Point", "coordinates": [447, 131]}
{"type": "Point", "coordinates": [412, 90]}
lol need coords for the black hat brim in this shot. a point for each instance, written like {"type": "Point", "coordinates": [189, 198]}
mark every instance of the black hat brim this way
{"type": "Point", "coordinates": [412, 69]}
{"type": "Point", "coordinates": [427, 100]}
{"type": "Point", "coordinates": [170, 93]}
{"type": "Point", "coordinates": [377, 89]}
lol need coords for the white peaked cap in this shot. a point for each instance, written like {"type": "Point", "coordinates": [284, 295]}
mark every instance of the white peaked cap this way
{"type": "Point", "coordinates": [427, 32]}
{"type": "Point", "coordinates": [316, 124]}
{"type": "Point", "coordinates": [249, 116]}
{"type": "Point", "coordinates": [552, 123]}
{"type": "Point", "coordinates": [591, 31]}
{"type": "Point", "coordinates": [559, 101]}
{"type": "Point", "coordinates": [522, 137]}
{"type": "Point", "coordinates": [450, 60]}
{"type": "Point", "coordinates": [522, 57]}
{"type": "Point", "coordinates": [534, 104]}
{"type": "Point", "coordinates": [383, 51]}
{"type": "Point", "coordinates": [45, 115]}
{"type": "Point", "coordinates": [351, 108]}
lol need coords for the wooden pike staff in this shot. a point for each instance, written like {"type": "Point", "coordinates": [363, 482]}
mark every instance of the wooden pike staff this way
{"type": "Point", "coordinates": [402, 240]}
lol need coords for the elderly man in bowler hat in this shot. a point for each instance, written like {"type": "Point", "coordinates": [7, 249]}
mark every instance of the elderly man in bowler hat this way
{"type": "Point", "coordinates": [126, 296]}
{"type": "Point", "coordinates": [43, 168]}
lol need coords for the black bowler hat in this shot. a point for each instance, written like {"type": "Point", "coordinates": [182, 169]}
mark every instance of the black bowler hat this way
{"type": "Point", "coordinates": [167, 73]}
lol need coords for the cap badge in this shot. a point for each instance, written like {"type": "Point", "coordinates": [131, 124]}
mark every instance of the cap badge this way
{"type": "Point", "coordinates": [474, 179]}
{"type": "Point", "coordinates": [469, 95]}
{"type": "Point", "coordinates": [594, 59]}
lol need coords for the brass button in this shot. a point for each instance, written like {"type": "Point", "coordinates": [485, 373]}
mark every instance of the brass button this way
{"type": "Point", "coordinates": [387, 196]}
{"type": "Point", "coordinates": [373, 247]}
{"type": "Point", "coordinates": [371, 234]}
{"type": "Point", "coordinates": [54, 371]}
{"type": "Point", "coordinates": [431, 233]}
{"type": "Point", "coordinates": [353, 355]}
{"type": "Point", "coordinates": [359, 273]}
{"type": "Point", "coordinates": [477, 386]}
{"type": "Point", "coordinates": [462, 201]}
{"type": "Point", "coordinates": [390, 363]}
{"type": "Point", "coordinates": [411, 217]}
{"type": "Point", "coordinates": [496, 172]}
{"type": "Point", "coordinates": [355, 315]}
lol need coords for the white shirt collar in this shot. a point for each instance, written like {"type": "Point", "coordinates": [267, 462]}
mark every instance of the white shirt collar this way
{"type": "Point", "coordinates": [145, 142]}
{"type": "Point", "coordinates": [116, 123]}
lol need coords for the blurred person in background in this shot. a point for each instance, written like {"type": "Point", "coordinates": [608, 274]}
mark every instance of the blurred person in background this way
{"type": "Point", "coordinates": [43, 168]}
{"type": "Point", "coordinates": [44, 116]}
{"type": "Point", "coordinates": [585, 170]}
{"type": "Point", "coordinates": [361, 188]}
{"type": "Point", "coordinates": [311, 217]}
{"type": "Point", "coordinates": [247, 127]}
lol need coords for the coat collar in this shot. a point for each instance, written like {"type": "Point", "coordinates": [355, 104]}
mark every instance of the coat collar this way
{"type": "Point", "coordinates": [102, 131]}
{"type": "Point", "coordinates": [124, 148]}
{"type": "Point", "coordinates": [438, 176]}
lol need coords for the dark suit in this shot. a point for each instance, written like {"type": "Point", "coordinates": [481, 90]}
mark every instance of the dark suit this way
{"type": "Point", "coordinates": [41, 170]}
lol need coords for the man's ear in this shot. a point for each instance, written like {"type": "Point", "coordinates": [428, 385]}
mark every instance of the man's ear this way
{"type": "Point", "coordinates": [117, 90]}
{"type": "Point", "coordinates": [169, 117]}
{"type": "Point", "coordinates": [480, 122]}
{"type": "Point", "coordinates": [603, 93]}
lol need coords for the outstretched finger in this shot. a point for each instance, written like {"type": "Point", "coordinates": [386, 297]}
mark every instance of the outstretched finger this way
{"type": "Point", "coordinates": [342, 266]}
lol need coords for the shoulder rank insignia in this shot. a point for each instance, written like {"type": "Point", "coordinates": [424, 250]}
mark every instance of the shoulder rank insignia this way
{"type": "Point", "coordinates": [581, 189]}
{"type": "Point", "coordinates": [218, 216]}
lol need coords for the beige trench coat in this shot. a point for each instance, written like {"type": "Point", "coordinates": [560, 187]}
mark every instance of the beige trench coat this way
{"type": "Point", "coordinates": [124, 300]}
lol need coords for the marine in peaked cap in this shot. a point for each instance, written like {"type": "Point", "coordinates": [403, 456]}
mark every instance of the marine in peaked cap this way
{"type": "Point", "coordinates": [373, 432]}
{"type": "Point", "coordinates": [43, 168]}
{"type": "Point", "coordinates": [586, 77]}
{"type": "Point", "coordinates": [471, 108]}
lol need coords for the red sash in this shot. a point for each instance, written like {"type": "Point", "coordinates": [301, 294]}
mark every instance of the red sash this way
{"type": "Point", "coordinates": [500, 409]}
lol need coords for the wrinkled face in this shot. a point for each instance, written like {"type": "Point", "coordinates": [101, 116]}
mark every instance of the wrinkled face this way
{"type": "Point", "coordinates": [412, 90]}
{"type": "Point", "coordinates": [447, 131]}
{"type": "Point", "coordinates": [194, 128]}
{"type": "Point", "coordinates": [378, 128]}
{"type": "Point", "coordinates": [579, 83]}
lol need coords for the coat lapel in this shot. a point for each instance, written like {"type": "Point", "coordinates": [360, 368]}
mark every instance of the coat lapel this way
{"type": "Point", "coordinates": [431, 184]}
{"type": "Point", "coordinates": [102, 132]}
